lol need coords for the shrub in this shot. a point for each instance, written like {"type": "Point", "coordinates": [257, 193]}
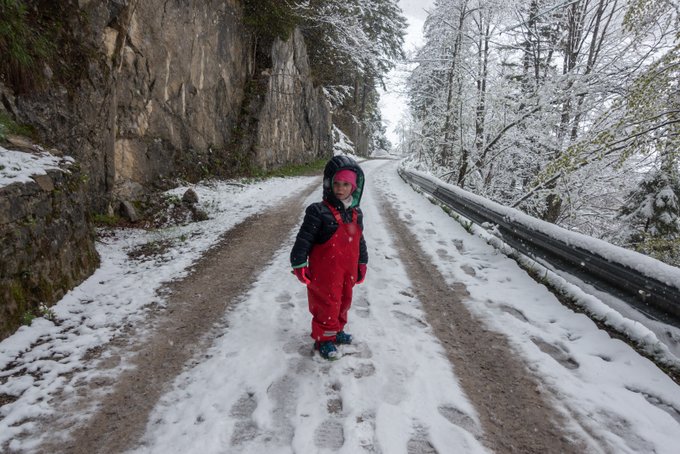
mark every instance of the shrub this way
{"type": "Point", "coordinates": [23, 47]}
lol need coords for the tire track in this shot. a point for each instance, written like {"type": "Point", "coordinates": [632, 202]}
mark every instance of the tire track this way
{"type": "Point", "coordinates": [515, 415]}
{"type": "Point", "coordinates": [183, 329]}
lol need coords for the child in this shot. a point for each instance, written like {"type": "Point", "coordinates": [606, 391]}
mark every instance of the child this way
{"type": "Point", "coordinates": [330, 256]}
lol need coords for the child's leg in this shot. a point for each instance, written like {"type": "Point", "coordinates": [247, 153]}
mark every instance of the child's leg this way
{"type": "Point", "coordinates": [345, 303]}
{"type": "Point", "coordinates": [324, 305]}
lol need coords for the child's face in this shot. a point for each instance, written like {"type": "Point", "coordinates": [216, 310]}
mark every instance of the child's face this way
{"type": "Point", "coordinates": [342, 189]}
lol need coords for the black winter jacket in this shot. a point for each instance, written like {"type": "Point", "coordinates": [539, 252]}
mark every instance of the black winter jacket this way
{"type": "Point", "coordinates": [318, 227]}
{"type": "Point", "coordinates": [319, 223]}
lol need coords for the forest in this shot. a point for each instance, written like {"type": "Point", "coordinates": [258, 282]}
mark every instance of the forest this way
{"type": "Point", "coordinates": [568, 110]}
{"type": "Point", "coordinates": [352, 45]}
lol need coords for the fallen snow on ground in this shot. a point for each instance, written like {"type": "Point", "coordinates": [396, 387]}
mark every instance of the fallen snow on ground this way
{"type": "Point", "coordinates": [40, 359]}
{"type": "Point", "coordinates": [657, 339]}
{"type": "Point", "coordinates": [625, 402]}
{"type": "Point", "coordinates": [259, 388]}
{"type": "Point", "coordinates": [262, 390]}
{"type": "Point", "coordinates": [18, 166]}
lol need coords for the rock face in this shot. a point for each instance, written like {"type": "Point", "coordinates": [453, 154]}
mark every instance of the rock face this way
{"type": "Point", "coordinates": [168, 89]}
{"type": "Point", "coordinates": [46, 243]}
{"type": "Point", "coordinates": [174, 89]}
{"type": "Point", "coordinates": [294, 122]}
{"type": "Point", "coordinates": [180, 71]}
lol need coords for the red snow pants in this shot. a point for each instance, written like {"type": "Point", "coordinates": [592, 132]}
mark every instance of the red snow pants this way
{"type": "Point", "coordinates": [333, 267]}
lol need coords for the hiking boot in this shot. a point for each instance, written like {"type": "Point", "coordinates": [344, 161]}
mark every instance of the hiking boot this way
{"type": "Point", "coordinates": [343, 338]}
{"type": "Point", "coordinates": [327, 350]}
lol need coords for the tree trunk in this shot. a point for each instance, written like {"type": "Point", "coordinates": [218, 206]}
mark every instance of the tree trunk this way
{"type": "Point", "coordinates": [451, 127]}
{"type": "Point", "coordinates": [480, 110]}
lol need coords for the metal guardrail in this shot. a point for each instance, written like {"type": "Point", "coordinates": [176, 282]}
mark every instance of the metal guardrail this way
{"type": "Point", "coordinates": [647, 294]}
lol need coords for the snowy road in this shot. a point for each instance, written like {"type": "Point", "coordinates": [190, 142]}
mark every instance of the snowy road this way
{"type": "Point", "coordinates": [391, 392]}
{"type": "Point", "coordinates": [258, 388]}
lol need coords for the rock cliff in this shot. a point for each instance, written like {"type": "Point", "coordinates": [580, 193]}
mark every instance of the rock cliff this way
{"type": "Point", "coordinates": [47, 243]}
{"type": "Point", "coordinates": [174, 89]}
{"type": "Point", "coordinates": [167, 89]}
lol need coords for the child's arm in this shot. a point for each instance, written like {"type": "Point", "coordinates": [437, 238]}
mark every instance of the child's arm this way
{"type": "Point", "coordinates": [306, 237]}
{"type": "Point", "coordinates": [363, 250]}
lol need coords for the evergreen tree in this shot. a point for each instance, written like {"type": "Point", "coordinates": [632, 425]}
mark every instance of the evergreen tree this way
{"type": "Point", "coordinates": [652, 213]}
{"type": "Point", "coordinates": [352, 45]}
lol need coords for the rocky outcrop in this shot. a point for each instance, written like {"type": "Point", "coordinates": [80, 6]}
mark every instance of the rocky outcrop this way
{"type": "Point", "coordinates": [295, 122]}
{"type": "Point", "coordinates": [165, 93]}
{"type": "Point", "coordinates": [163, 90]}
{"type": "Point", "coordinates": [46, 243]}
{"type": "Point", "coordinates": [180, 71]}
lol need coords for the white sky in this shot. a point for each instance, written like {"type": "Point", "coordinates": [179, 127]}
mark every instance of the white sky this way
{"type": "Point", "coordinates": [393, 103]}
{"type": "Point", "coordinates": [259, 388]}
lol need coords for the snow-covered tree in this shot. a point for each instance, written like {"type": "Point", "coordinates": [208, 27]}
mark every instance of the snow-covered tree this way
{"type": "Point", "coordinates": [650, 126]}
{"type": "Point", "coordinates": [652, 213]}
{"type": "Point", "coordinates": [555, 107]}
{"type": "Point", "coordinates": [352, 45]}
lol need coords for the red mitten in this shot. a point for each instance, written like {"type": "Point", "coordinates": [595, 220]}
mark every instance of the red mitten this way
{"type": "Point", "coordinates": [302, 274]}
{"type": "Point", "coordinates": [362, 273]}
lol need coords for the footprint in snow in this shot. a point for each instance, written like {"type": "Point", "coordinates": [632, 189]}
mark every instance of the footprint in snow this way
{"type": "Point", "coordinates": [329, 435]}
{"type": "Point", "coordinates": [364, 430]}
{"type": "Point", "coordinates": [557, 353]}
{"type": "Point", "coordinates": [334, 406]}
{"type": "Point", "coordinates": [362, 312]}
{"type": "Point", "coordinates": [361, 371]}
{"type": "Point", "coordinates": [514, 312]}
{"type": "Point", "coordinates": [245, 428]}
{"type": "Point", "coordinates": [659, 403]}
{"type": "Point", "coordinates": [460, 418]}
{"type": "Point", "coordinates": [410, 320]}
{"type": "Point", "coordinates": [623, 428]}
{"type": "Point", "coordinates": [283, 393]}
{"type": "Point", "coordinates": [334, 403]}
{"type": "Point", "coordinates": [362, 301]}
{"type": "Point", "coordinates": [360, 307]}
{"type": "Point", "coordinates": [357, 350]}
{"type": "Point", "coordinates": [467, 269]}
{"type": "Point", "coordinates": [300, 345]}
{"type": "Point", "coordinates": [419, 442]}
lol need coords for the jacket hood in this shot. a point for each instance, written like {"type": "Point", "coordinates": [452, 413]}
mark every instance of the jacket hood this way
{"type": "Point", "coordinates": [336, 164]}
